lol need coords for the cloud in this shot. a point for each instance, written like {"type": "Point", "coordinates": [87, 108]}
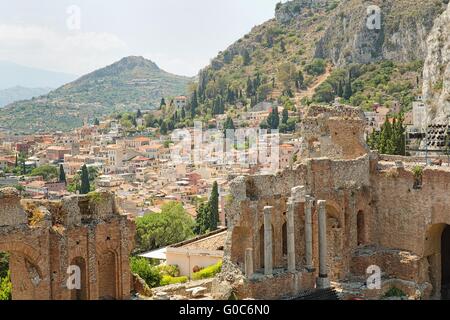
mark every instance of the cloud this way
{"type": "Point", "coordinates": [73, 52]}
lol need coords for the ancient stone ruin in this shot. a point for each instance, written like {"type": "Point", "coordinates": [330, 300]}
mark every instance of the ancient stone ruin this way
{"type": "Point", "coordinates": [45, 238]}
{"type": "Point", "coordinates": [329, 221]}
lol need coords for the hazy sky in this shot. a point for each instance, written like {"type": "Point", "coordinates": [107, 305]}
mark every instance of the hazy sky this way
{"type": "Point", "coordinates": [181, 36]}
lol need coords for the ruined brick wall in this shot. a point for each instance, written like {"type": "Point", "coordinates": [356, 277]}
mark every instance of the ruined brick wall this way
{"type": "Point", "coordinates": [344, 184]}
{"type": "Point", "coordinates": [334, 132]}
{"type": "Point", "coordinates": [411, 218]}
{"type": "Point", "coordinates": [85, 231]}
{"type": "Point", "coordinates": [379, 212]}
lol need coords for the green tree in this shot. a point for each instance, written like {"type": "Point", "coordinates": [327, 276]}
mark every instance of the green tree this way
{"type": "Point", "coordinates": [62, 174]}
{"type": "Point", "coordinates": [214, 207]}
{"type": "Point", "coordinates": [96, 122]}
{"type": "Point", "coordinates": [229, 124]}
{"type": "Point", "coordinates": [299, 81]}
{"type": "Point", "coordinates": [194, 104]}
{"type": "Point", "coordinates": [163, 129]}
{"type": "Point", "coordinates": [263, 91]}
{"type": "Point", "coordinates": [75, 185]}
{"type": "Point", "coordinates": [316, 67]}
{"type": "Point", "coordinates": [287, 73]}
{"type": "Point", "coordinates": [273, 120]}
{"type": "Point", "coordinates": [85, 187]}
{"type": "Point", "coordinates": [285, 116]}
{"type": "Point", "coordinates": [150, 274]}
{"type": "Point", "coordinates": [202, 220]}
{"type": "Point", "coordinates": [158, 230]}
{"type": "Point", "coordinates": [348, 92]}
{"type": "Point", "coordinates": [163, 103]}
{"type": "Point", "coordinates": [246, 59]}
{"type": "Point", "coordinates": [47, 172]}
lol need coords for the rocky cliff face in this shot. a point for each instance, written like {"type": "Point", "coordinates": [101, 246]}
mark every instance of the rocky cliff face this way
{"type": "Point", "coordinates": [436, 73]}
{"type": "Point", "coordinates": [402, 35]}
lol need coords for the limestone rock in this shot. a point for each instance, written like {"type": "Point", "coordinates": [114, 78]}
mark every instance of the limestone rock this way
{"type": "Point", "coordinates": [436, 73]}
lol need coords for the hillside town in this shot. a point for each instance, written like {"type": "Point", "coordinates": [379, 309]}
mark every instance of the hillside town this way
{"type": "Point", "coordinates": [294, 166]}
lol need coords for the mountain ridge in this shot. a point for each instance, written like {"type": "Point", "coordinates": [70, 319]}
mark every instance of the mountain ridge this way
{"type": "Point", "coordinates": [127, 85]}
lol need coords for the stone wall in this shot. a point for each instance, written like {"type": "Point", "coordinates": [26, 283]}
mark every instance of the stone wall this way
{"type": "Point", "coordinates": [44, 238]}
{"type": "Point", "coordinates": [378, 212]}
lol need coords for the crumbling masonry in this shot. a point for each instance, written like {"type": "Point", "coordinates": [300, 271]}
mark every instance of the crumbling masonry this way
{"type": "Point", "coordinates": [44, 238]}
{"type": "Point", "coordinates": [328, 219]}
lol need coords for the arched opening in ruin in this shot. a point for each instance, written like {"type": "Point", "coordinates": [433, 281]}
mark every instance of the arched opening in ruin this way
{"type": "Point", "coordinates": [82, 292]}
{"type": "Point", "coordinates": [241, 240]}
{"type": "Point", "coordinates": [445, 263]}
{"type": "Point", "coordinates": [284, 235]}
{"type": "Point", "coordinates": [360, 228]}
{"type": "Point", "coordinates": [25, 273]}
{"type": "Point", "coordinates": [334, 241]}
{"type": "Point", "coordinates": [261, 247]}
{"type": "Point", "coordinates": [5, 277]}
{"type": "Point", "coordinates": [107, 276]}
{"type": "Point", "coordinates": [437, 253]}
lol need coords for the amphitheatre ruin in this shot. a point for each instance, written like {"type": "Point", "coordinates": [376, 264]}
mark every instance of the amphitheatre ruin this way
{"type": "Point", "coordinates": [322, 223]}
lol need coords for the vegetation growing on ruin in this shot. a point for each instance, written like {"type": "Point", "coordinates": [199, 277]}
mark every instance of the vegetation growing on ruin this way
{"type": "Point", "coordinates": [95, 197]}
{"type": "Point", "coordinates": [394, 292]}
{"type": "Point", "coordinates": [417, 171]}
{"type": "Point", "coordinates": [5, 277]}
{"type": "Point", "coordinates": [208, 272]}
{"type": "Point", "coordinates": [6, 287]}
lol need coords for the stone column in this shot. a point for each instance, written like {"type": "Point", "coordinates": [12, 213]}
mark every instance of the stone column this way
{"type": "Point", "coordinates": [249, 262]}
{"type": "Point", "coordinates": [291, 235]}
{"type": "Point", "coordinates": [323, 281]}
{"type": "Point", "coordinates": [308, 233]}
{"type": "Point", "coordinates": [268, 261]}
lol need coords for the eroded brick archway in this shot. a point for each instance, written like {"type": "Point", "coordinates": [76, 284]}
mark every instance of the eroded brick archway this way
{"type": "Point", "coordinates": [45, 238]}
{"type": "Point", "coordinates": [28, 268]}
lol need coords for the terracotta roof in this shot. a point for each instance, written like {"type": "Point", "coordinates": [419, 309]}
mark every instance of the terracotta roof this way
{"type": "Point", "coordinates": [142, 139]}
{"type": "Point", "coordinates": [212, 241]}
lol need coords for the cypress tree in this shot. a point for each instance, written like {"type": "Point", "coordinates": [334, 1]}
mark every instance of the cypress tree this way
{"type": "Point", "coordinates": [202, 219]}
{"type": "Point", "coordinates": [85, 184]}
{"type": "Point", "coordinates": [163, 103]}
{"type": "Point", "coordinates": [339, 90]}
{"type": "Point", "coordinates": [347, 90]}
{"type": "Point", "coordinates": [249, 87]}
{"type": "Point", "coordinates": [214, 207]}
{"type": "Point", "coordinates": [194, 104]}
{"type": "Point", "coordinates": [163, 128]}
{"type": "Point", "coordinates": [285, 116]}
{"type": "Point", "coordinates": [62, 174]}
